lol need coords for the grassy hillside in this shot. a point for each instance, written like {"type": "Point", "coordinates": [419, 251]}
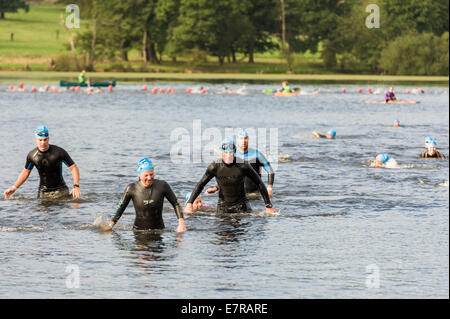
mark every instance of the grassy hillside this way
{"type": "Point", "coordinates": [39, 37]}
{"type": "Point", "coordinates": [35, 37]}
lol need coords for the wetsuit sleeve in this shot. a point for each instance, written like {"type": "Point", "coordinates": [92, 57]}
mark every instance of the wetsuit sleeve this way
{"type": "Point", "coordinates": [170, 195]}
{"type": "Point", "coordinates": [65, 157]}
{"type": "Point", "coordinates": [124, 201]}
{"type": "Point", "coordinates": [29, 164]}
{"type": "Point", "coordinates": [209, 174]}
{"type": "Point", "coordinates": [267, 167]}
{"type": "Point", "coordinates": [251, 173]}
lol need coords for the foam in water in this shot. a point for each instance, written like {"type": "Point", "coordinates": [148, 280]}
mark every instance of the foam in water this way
{"type": "Point", "coordinates": [101, 221]}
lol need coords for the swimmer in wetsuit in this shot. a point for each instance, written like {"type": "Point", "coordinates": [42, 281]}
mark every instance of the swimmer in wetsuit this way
{"type": "Point", "coordinates": [48, 160]}
{"type": "Point", "coordinates": [256, 159]}
{"type": "Point", "coordinates": [432, 152]}
{"type": "Point", "coordinates": [148, 198]}
{"type": "Point", "coordinates": [331, 134]}
{"type": "Point", "coordinates": [230, 177]}
{"type": "Point", "coordinates": [384, 161]}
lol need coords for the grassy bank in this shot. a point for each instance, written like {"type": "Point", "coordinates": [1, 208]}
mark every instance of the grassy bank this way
{"type": "Point", "coordinates": [8, 77]}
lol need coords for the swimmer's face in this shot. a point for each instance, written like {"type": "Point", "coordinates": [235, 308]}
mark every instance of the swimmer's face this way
{"type": "Point", "coordinates": [43, 143]}
{"type": "Point", "coordinates": [329, 135]}
{"type": "Point", "coordinates": [396, 123]}
{"type": "Point", "coordinates": [147, 177]}
{"type": "Point", "coordinates": [228, 157]}
{"type": "Point", "coordinates": [378, 161]}
{"type": "Point", "coordinates": [243, 143]}
{"type": "Point", "coordinates": [431, 150]}
{"type": "Point", "coordinates": [197, 203]}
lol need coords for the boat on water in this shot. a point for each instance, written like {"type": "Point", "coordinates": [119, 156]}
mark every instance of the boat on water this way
{"type": "Point", "coordinates": [93, 84]}
{"type": "Point", "coordinates": [286, 93]}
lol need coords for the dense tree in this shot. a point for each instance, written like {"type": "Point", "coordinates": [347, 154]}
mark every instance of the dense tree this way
{"type": "Point", "coordinates": [225, 28]}
{"type": "Point", "coordinates": [12, 6]}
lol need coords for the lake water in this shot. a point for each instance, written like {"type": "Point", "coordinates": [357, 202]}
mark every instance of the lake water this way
{"type": "Point", "coordinates": [344, 230]}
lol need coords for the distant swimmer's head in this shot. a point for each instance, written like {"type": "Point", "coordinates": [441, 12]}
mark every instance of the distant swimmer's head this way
{"type": "Point", "coordinates": [396, 122]}
{"type": "Point", "coordinates": [243, 140]}
{"type": "Point", "coordinates": [432, 145]}
{"type": "Point", "coordinates": [228, 148]}
{"type": "Point", "coordinates": [381, 159]}
{"type": "Point", "coordinates": [146, 171]}
{"type": "Point", "coordinates": [42, 138]}
{"type": "Point", "coordinates": [331, 134]}
{"type": "Point", "coordinates": [428, 139]}
{"type": "Point", "coordinates": [391, 89]}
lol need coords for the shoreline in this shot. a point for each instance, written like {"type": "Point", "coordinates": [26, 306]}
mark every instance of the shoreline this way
{"type": "Point", "coordinates": [135, 77]}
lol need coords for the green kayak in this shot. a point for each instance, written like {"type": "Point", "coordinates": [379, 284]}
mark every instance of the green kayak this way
{"type": "Point", "coordinates": [95, 84]}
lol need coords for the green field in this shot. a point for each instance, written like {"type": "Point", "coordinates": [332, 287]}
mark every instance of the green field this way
{"type": "Point", "coordinates": [35, 37]}
{"type": "Point", "coordinates": [39, 37]}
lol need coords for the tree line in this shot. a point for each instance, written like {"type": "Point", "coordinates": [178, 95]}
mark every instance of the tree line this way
{"type": "Point", "coordinates": [412, 37]}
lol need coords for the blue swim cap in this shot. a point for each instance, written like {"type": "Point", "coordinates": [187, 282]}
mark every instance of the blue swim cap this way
{"type": "Point", "coordinates": [243, 133]}
{"type": "Point", "coordinates": [41, 131]}
{"type": "Point", "coordinates": [144, 164]}
{"type": "Point", "coordinates": [428, 139]}
{"type": "Point", "coordinates": [396, 120]}
{"type": "Point", "coordinates": [188, 195]}
{"type": "Point", "coordinates": [332, 133]}
{"type": "Point", "coordinates": [432, 143]}
{"type": "Point", "coordinates": [384, 158]}
{"type": "Point", "coordinates": [228, 145]}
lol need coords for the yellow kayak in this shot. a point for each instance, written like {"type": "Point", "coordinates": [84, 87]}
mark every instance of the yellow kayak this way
{"type": "Point", "coordinates": [285, 94]}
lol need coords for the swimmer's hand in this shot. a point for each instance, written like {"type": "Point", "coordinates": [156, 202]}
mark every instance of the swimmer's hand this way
{"type": "Point", "coordinates": [316, 134]}
{"type": "Point", "coordinates": [212, 190]}
{"type": "Point", "coordinates": [76, 193]}
{"type": "Point", "coordinates": [109, 227]}
{"type": "Point", "coordinates": [188, 209]}
{"type": "Point", "coordinates": [181, 227]}
{"type": "Point", "coordinates": [9, 192]}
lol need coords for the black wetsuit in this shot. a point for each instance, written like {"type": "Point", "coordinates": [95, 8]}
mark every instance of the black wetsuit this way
{"type": "Point", "coordinates": [437, 154]}
{"type": "Point", "coordinates": [148, 204]}
{"type": "Point", "coordinates": [257, 160]}
{"type": "Point", "coordinates": [49, 166]}
{"type": "Point", "coordinates": [231, 182]}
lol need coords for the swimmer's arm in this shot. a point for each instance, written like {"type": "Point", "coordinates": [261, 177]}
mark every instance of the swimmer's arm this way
{"type": "Point", "coordinates": [170, 195]}
{"type": "Point", "coordinates": [75, 192]}
{"type": "Point", "coordinates": [269, 170]}
{"type": "Point", "coordinates": [209, 174]}
{"type": "Point", "coordinates": [318, 135]}
{"type": "Point", "coordinates": [124, 201]}
{"type": "Point", "coordinates": [23, 176]}
{"type": "Point", "coordinates": [251, 173]}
